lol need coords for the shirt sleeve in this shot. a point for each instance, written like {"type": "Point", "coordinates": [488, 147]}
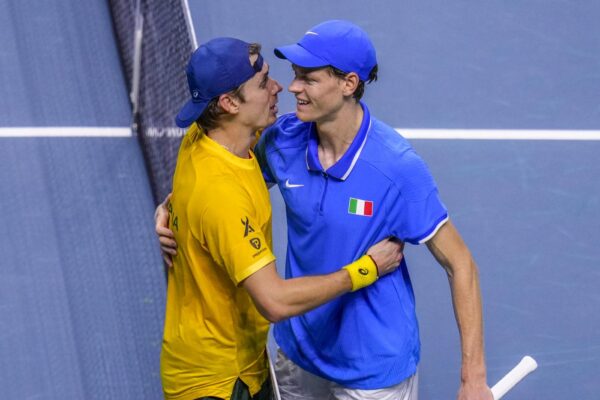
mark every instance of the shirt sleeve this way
{"type": "Point", "coordinates": [230, 232]}
{"type": "Point", "coordinates": [418, 212]}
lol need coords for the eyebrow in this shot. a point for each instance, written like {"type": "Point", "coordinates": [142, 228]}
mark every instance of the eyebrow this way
{"type": "Point", "coordinates": [302, 72]}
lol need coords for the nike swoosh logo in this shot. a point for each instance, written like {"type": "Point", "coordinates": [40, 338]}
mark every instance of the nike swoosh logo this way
{"type": "Point", "coordinates": [292, 185]}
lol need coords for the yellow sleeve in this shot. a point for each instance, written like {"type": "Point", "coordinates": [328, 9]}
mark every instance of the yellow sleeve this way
{"type": "Point", "coordinates": [230, 232]}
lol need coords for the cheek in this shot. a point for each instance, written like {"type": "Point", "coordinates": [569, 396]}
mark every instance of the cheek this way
{"type": "Point", "coordinates": [328, 98]}
{"type": "Point", "coordinates": [267, 101]}
{"type": "Point", "coordinates": [317, 95]}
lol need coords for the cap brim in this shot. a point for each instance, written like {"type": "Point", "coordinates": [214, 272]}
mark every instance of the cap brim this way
{"type": "Point", "coordinates": [189, 113]}
{"type": "Point", "coordinates": [298, 55]}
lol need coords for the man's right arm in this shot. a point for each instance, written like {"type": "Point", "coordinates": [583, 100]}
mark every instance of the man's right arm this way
{"type": "Point", "coordinates": [277, 299]}
{"type": "Point", "coordinates": [452, 254]}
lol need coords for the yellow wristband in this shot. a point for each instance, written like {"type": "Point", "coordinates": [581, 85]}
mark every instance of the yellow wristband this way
{"type": "Point", "coordinates": [363, 272]}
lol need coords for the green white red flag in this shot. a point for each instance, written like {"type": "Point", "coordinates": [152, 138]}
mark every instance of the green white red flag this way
{"type": "Point", "coordinates": [360, 207]}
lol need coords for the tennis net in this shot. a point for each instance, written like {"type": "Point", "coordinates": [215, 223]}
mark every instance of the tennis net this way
{"type": "Point", "coordinates": [155, 73]}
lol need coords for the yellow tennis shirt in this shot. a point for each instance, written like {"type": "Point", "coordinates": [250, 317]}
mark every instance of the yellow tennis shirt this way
{"type": "Point", "coordinates": [221, 217]}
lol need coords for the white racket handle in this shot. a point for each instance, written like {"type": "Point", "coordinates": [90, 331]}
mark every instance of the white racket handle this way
{"type": "Point", "coordinates": [523, 368]}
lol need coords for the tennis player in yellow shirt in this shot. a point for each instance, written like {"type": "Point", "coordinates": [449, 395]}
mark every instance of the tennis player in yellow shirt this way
{"type": "Point", "coordinates": [223, 288]}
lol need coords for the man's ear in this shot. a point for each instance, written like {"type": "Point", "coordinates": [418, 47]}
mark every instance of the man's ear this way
{"type": "Point", "coordinates": [350, 84]}
{"type": "Point", "coordinates": [229, 103]}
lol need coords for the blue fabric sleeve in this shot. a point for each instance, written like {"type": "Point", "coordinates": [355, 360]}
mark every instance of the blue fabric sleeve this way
{"type": "Point", "coordinates": [419, 211]}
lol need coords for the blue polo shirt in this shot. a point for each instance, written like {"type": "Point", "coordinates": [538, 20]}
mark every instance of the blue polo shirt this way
{"type": "Point", "coordinates": [380, 187]}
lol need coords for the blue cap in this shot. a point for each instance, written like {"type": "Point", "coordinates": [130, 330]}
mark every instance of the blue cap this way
{"type": "Point", "coordinates": [340, 44]}
{"type": "Point", "coordinates": [217, 67]}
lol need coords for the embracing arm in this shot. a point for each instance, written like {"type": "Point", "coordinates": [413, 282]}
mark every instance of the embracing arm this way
{"type": "Point", "coordinates": [453, 255]}
{"type": "Point", "coordinates": [277, 299]}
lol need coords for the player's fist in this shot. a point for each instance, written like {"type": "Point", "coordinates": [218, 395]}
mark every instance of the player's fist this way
{"type": "Point", "coordinates": [387, 255]}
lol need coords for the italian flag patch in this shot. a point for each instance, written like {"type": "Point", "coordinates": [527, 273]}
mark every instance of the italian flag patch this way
{"type": "Point", "coordinates": [360, 207]}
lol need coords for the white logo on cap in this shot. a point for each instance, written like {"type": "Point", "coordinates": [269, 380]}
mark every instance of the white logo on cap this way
{"type": "Point", "coordinates": [195, 94]}
{"type": "Point", "coordinates": [311, 33]}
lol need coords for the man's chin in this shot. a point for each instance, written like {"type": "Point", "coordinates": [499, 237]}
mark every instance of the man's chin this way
{"type": "Point", "coordinates": [303, 117]}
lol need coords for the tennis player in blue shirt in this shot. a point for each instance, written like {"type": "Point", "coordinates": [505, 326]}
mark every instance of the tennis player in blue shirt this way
{"type": "Point", "coordinates": [349, 181]}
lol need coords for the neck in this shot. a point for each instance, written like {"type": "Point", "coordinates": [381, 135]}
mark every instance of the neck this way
{"type": "Point", "coordinates": [336, 135]}
{"type": "Point", "coordinates": [235, 140]}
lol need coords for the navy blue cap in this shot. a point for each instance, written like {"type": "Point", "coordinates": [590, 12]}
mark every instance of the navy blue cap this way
{"type": "Point", "coordinates": [215, 68]}
{"type": "Point", "coordinates": [340, 44]}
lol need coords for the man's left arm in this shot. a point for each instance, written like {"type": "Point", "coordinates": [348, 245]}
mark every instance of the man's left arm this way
{"type": "Point", "coordinates": [453, 255]}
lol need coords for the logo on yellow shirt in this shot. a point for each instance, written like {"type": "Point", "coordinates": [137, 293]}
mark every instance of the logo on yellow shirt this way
{"type": "Point", "coordinates": [255, 242]}
{"type": "Point", "coordinates": [247, 227]}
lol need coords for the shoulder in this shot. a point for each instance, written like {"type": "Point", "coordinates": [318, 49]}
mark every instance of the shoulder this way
{"type": "Point", "coordinates": [385, 137]}
{"type": "Point", "coordinates": [219, 199]}
{"type": "Point", "coordinates": [221, 185]}
{"type": "Point", "coordinates": [211, 178]}
{"type": "Point", "coordinates": [387, 148]}
{"type": "Point", "coordinates": [392, 154]}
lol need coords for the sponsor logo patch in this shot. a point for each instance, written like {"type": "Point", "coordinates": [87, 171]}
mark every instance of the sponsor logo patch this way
{"type": "Point", "coordinates": [255, 242]}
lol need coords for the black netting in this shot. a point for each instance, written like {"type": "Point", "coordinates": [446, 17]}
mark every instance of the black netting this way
{"type": "Point", "coordinates": [166, 48]}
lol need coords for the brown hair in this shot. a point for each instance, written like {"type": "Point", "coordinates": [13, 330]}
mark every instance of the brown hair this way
{"type": "Point", "coordinates": [360, 89]}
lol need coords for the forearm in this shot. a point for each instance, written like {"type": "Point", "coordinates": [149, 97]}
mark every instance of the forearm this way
{"type": "Point", "coordinates": [278, 299]}
{"type": "Point", "coordinates": [453, 255]}
{"type": "Point", "coordinates": [466, 298]}
{"type": "Point", "coordinates": [299, 295]}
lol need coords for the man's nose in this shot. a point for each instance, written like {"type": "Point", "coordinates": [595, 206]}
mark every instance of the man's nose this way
{"type": "Point", "coordinates": [295, 86]}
